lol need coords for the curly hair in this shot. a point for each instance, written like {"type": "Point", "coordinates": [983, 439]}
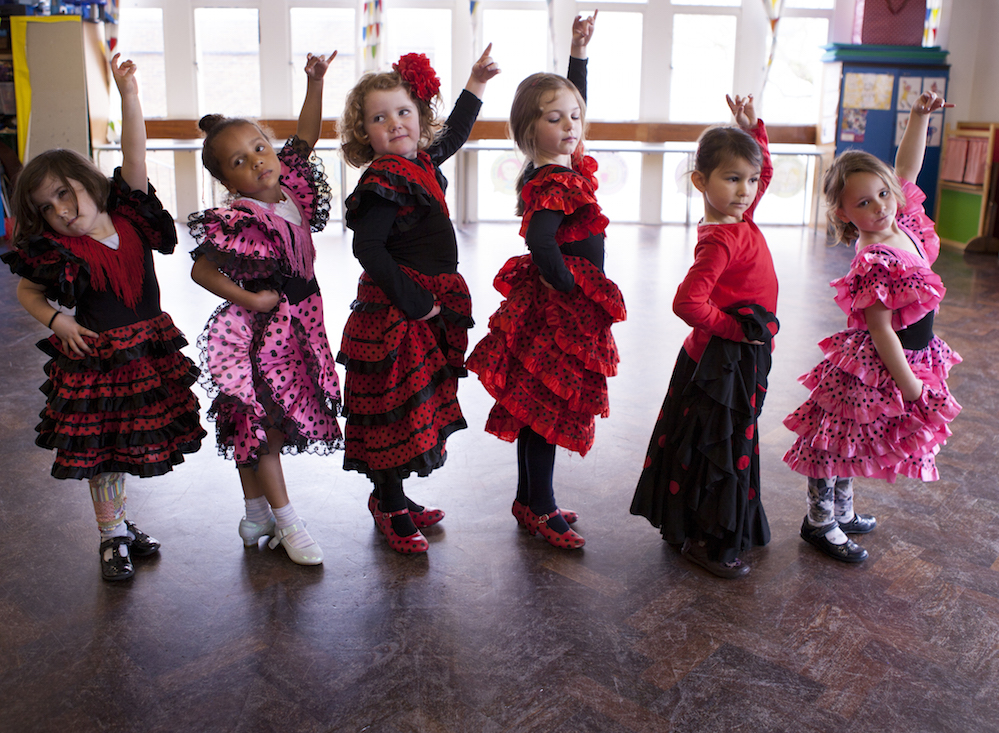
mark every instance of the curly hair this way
{"type": "Point", "coordinates": [212, 126]}
{"type": "Point", "coordinates": [848, 163]}
{"type": "Point", "coordinates": [66, 166]}
{"type": "Point", "coordinates": [528, 104]}
{"type": "Point", "coordinates": [355, 145]}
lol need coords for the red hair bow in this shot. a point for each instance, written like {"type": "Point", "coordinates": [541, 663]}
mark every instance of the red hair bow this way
{"type": "Point", "coordinates": [415, 69]}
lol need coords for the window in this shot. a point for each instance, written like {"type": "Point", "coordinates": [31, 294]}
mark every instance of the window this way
{"type": "Point", "coordinates": [140, 38]}
{"type": "Point", "coordinates": [703, 65]}
{"type": "Point", "coordinates": [229, 62]}
{"type": "Point", "coordinates": [323, 31]}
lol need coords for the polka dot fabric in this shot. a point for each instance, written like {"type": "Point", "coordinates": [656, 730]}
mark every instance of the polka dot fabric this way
{"type": "Point", "coordinates": [548, 354]}
{"type": "Point", "coordinates": [855, 422]}
{"type": "Point", "coordinates": [402, 378]}
{"type": "Point", "coordinates": [270, 370]}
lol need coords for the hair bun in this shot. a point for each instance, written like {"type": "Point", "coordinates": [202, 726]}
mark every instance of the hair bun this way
{"type": "Point", "coordinates": [207, 122]}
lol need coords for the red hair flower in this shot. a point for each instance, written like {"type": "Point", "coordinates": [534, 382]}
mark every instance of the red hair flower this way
{"type": "Point", "coordinates": [415, 70]}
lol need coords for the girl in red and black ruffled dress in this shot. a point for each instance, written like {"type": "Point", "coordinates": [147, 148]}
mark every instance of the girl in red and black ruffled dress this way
{"type": "Point", "coordinates": [404, 343]}
{"type": "Point", "coordinates": [549, 349]}
{"type": "Point", "coordinates": [118, 390]}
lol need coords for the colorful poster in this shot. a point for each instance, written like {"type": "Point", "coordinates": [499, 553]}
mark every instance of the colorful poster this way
{"type": "Point", "coordinates": [909, 89]}
{"type": "Point", "coordinates": [937, 85]}
{"type": "Point", "coordinates": [868, 91]}
{"type": "Point", "coordinates": [854, 125]}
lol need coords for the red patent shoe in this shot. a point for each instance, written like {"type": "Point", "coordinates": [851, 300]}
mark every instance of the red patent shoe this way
{"type": "Point", "coordinates": [414, 544]}
{"type": "Point", "coordinates": [423, 519]}
{"type": "Point", "coordinates": [568, 540]}
{"type": "Point", "coordinates": [519, 510]}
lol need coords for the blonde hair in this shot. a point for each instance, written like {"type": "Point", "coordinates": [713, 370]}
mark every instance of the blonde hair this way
{"type": "Point", "coordinates": [848, 163]}
{"type": "Point", "coordinates": [528, 102]}
{"type": "Point", "coordinates": [355, 145]}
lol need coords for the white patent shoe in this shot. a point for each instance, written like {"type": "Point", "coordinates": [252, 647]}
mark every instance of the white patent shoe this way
{"type": "Point", "coordinates": [251, 532]}
{"type": "Point", "coordinates": [311, 554]}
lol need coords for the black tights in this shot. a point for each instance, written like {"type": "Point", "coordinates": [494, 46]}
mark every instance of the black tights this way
{"type": "Point", "coordinates": [535, 469]}
{"type": "Point", "coordinates": [391, 498]}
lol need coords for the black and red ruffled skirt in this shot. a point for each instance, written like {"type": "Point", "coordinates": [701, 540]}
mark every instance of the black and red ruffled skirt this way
{"type": "Point", "coordinates": [125, 407]}
{"type": "Point", "coordinates": [548, 354]}
{"type": "Point", "coordinates": [400, 391]}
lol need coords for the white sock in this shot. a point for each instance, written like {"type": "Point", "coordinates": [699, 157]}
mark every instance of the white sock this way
{"type": "Point", "coordinates": [846, 518]}
{"type": "Point", "coordinates": [285, 516]}
{"type": "Point", "coordinates": [258, 510]}
{"type": "Point", "coordinates": [836, 536]}
{"type": "Point", "coordinates": [119, 530]}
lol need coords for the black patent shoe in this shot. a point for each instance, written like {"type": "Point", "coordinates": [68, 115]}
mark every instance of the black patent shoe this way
{"type": "Point", "coordinates": [143, 544]}
{"type": "Point", "coordinates": [848, 552]}
{"type": "Point", "coordinates": [698, 554]}
{"type": "Point", "coordinates": [116, 563]}
{"type": "Point", "coordinates": [860, 524]}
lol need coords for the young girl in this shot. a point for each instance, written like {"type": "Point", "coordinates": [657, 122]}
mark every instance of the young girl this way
{"type": "Point", "coordinates": [549, 349]}
{"type": "Point", "coordinates": [404, 343]}
{"type": "Point", "coordinates": [118, 394]}
{"type": "Point", "coordinates": [272, 371]}
{"type": "Point", "coordinates": [879, 403]}
{"type": "Point", "coordinates": [701, 480]}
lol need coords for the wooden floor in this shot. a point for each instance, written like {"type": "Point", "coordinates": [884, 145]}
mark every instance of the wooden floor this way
{"type": "Point", "coordinates": [494, 630]}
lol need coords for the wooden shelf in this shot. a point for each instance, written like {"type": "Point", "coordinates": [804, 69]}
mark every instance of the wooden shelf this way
{"type": "Point", "coordinates": [967, 211]}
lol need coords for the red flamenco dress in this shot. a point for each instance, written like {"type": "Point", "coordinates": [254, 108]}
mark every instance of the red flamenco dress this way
{"type": "Point", "coordinates": [855, 422]}
{"type": "Point", "coordinates": [127, 406]}
{"type": "Point", "coordinates": [271, 370]}
{"type": "Point", "coordinates": [400, 391]}
{"type": "Point", "coordinates": [548, 353]}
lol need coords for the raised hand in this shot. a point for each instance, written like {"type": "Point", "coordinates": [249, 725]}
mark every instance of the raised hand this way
{"type": "Point", "coordinates": [582, 30]}
{"type": "Point", "coordinates": [743, 110]}
{"type": "Point", "coordinates": [124, 75]}
{"type": "Point", "coordinates": [929, 102]}
{"type": "Point", "coordinates": [485, 68]}
{"type": "Point", "coordinates": [316, 66]}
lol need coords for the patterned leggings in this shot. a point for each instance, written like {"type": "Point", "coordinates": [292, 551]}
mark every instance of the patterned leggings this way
{"type": "Point", "coordinates": [829, 499]}
{"type": "Point", "coordinates": [108, 492]}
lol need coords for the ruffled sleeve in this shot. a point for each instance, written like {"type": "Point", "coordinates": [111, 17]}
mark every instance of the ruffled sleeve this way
{"type": "Point", "coordinates": [145, 212]}
{"type": "Point", "coordinates": [411, 185]}
{"type": "Point", "coordinates": [237, 241]}
{"type": "Point", "coordinates": [573, 192]}
{"type": "Point", "coordinates": [303, 175]}
{"type": "Point", "coordinates": [46, 262]}
{"type": "Point", "coordinates": [913, 218]}
{"type": "Point", "coordinates": [903, 284]}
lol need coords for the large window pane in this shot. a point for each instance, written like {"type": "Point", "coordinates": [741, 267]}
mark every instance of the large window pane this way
{"type": "Point", "coordinates": [140, 38]}
{"type": "Point", "coordinates": [422, 31]}
{"type": "Point", "coordinates": [229, 62]}
{"type": "Point", "coordinates": [702, 67]}
{"type": "Point", "coordinates": [323, 31]}
{"type": "Point", "coordinates": [619, 179]}
{"type": "Point", "coordinates": [720, 3]}
{"type": "Point", "coordinates": [614, 95]}
{"type": "Point", "coordinates": [524, 36]}
{"type": "Point", "coordinates": [794, 83]}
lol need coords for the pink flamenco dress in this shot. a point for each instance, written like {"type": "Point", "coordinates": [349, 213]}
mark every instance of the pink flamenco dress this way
{"type": "Point", "coordinates": [548, 354]}
{"type": "Point", "coordinates": [270, 370]}
{"type": "Point", "coordinates": [855, 421]}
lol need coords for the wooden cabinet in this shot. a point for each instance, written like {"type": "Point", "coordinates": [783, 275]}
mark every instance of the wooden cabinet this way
{"type": "Point", "coordinates": [966, 191]}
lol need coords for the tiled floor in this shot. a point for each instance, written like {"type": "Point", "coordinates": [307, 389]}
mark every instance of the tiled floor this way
{"type": "Point", "coordinates": [494, 630]}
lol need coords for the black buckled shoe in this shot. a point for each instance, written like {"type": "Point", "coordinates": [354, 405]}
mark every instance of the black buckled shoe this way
{"type": "Point", "coordinates": [143, 544]}
{"type": "Point", "coordinates": [848, 552]}
{"type": "Point", "coordinates": [116, 563]}
{"type": "Point", "coordinates": [860, 524]}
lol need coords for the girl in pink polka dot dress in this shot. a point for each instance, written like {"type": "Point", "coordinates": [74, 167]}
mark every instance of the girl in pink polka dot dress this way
{"type": "Point", "coordinates": [272, 373]}
{"type": "Point", "coordinates": [879, 405]}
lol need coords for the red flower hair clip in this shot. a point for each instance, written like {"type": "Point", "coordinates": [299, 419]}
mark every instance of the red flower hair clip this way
{"type": "Point", "coordinates": [415, 70]}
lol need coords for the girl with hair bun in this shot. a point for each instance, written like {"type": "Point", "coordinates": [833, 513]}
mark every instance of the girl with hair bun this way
{"type": "Point", "coordinates": [265, 351]}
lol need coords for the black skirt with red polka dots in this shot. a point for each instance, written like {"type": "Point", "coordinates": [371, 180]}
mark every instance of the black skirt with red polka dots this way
{"type": "Point", "coordinates": [400, 391]}
{"type": "Point", "coordinates": [701, 478]}
{"type": "Point", "coordinates": [548, 354]}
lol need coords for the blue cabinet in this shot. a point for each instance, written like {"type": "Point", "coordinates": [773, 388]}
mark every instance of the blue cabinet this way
{"type": "Point", "coordinates": [875, 83]}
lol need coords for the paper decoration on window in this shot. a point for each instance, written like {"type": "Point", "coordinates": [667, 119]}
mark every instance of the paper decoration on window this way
{"type": "Point", "coordinates": [503, 174]}
{"type": "Point", "coordinates": [854, 125]}
{"type": "Point", "coordinates": [371, 33]}
{"type": "Point", "coordinates": [789, 176]}
{"type": "Point", "coordinates": [868, 91]}
{"type": "Point", "coordinates": [773, 9]}
{"type": "Point", "coordinates": [612, 173]}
